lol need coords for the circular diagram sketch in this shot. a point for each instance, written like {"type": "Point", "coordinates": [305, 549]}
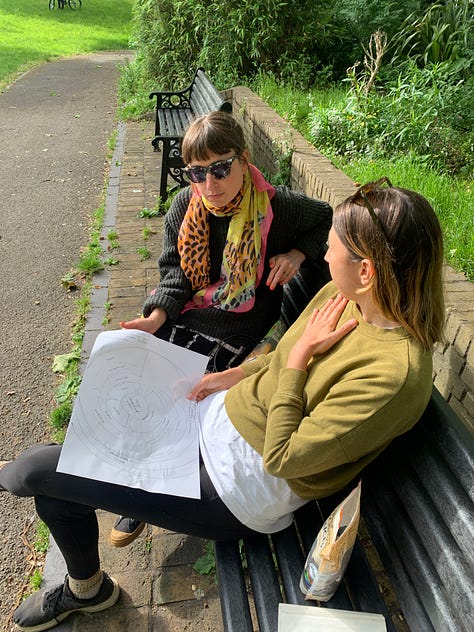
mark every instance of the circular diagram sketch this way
{"type": "Point", "coordinates": [132, 415]}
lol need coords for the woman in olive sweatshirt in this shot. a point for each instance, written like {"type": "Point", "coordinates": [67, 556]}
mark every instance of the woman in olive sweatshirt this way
{"type": "Point", "coordinates": [353, 372]}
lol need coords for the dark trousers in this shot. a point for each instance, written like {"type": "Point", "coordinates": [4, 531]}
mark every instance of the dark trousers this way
{"type": "Point", "coordinates": [67, 505]}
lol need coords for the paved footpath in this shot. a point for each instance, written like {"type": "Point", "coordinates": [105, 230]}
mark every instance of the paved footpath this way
{"type": "Point", "coordinates": [55, 122]}
{"type": "Point", "coordinates": [160, 590]}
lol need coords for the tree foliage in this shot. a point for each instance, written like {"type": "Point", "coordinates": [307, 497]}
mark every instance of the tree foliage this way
{"type": "Point", "coordinates": [299, 42]}
{"type": "Point", "coordinates": [411, 91]}
{"type": "Point", "coordinates": [234, 39]}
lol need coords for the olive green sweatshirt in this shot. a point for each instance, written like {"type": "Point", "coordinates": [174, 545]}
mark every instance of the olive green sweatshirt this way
{"type": "Point", "coordinates": [320, 427]}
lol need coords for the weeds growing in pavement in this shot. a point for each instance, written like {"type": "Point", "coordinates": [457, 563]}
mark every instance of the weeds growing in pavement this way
{"type": "Point", "coordinates": [112, 237]}
{"type": "Point", "coordinates": [68, 365]}
{"type": "Point", "coordinates": [146, 232]}
{"type": "Point", "coordinates": [144, 253]}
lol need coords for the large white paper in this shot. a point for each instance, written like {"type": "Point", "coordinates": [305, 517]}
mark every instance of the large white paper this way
{"type": "Point", "coordinates": [293, 618]}
{"type": "Point", "coordinates": [132, 423]}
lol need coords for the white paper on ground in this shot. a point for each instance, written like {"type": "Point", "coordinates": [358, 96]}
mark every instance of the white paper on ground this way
{"type": "Point", "coordinates": [132, 423]}
{"type": "Point", "coordinates": [294, 618]}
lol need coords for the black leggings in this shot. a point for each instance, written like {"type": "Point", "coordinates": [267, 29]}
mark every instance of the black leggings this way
{"type": "Point", "coordinates": [67, 505]}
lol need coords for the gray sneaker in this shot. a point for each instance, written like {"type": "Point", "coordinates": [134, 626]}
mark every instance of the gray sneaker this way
{"type": "Point", "coordinates": [48, 607]}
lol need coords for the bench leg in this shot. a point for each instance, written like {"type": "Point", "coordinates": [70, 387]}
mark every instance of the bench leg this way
{"type": "Point", "coordinates": [171, 166]}
{"type": "Point", "coordinates": [164, 171]}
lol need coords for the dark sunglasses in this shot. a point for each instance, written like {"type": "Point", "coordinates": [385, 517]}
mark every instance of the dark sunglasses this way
{"type": "Point", "coordinates": [360, 198]}
{"type": "Point", "coordinates": [220, 170]}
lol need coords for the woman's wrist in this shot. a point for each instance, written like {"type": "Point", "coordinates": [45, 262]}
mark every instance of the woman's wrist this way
{"type": "Point", "coordinates": [158, 316]}
{"type": "Point", "coordinates": [298, 358]}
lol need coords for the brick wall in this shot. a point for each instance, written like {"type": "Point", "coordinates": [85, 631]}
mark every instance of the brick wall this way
{"type": "Point", "coordinates": [268, 137]}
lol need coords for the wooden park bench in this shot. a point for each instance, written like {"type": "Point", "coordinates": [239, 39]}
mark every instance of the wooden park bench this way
{"type": "Point", "coordinates": [413, 561]}
{"type": "Point", "coordinates": [174, 113]}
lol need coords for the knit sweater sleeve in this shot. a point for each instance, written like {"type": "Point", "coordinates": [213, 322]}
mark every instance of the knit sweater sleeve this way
{"type": "Point", "coordinates": [303, 221]}
{"type": "Point", "coordinates": [174, 289]}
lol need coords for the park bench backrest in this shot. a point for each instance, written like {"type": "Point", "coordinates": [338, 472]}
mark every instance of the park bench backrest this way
{"type": "Point", "coordinates": [419, 508]}
{"type": "Point", "coordinates": [204, 96]}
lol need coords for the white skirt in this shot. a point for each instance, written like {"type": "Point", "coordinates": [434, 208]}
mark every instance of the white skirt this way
{"type": "Point", "coordinates": [258, 500]}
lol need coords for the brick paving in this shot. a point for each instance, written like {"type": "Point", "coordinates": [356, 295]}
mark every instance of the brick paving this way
{"type": "Point", "coordinates": [160, 589]}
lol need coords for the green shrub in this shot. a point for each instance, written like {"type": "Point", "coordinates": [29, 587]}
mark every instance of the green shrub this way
{"type": "Point", "coordinates": [360, 18]}
{"type": "Point", "coordinates": [133, 89]}
{"type": "Point", "coordinates": [233, 39]}
{"type": "Point", "coordinates": [442, 33]}
{"type": "Point", "coordinates": [423, 110]}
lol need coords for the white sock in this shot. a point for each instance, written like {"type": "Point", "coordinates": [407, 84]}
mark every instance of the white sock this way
{"type": "Point", "coordinates": [86, 588]}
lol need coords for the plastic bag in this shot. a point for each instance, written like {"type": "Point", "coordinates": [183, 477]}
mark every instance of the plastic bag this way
{"type": "Point", "coordinates": [331, 550]}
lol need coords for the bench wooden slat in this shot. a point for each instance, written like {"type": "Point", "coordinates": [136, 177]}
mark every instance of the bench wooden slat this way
{"type": "Point", "coordinates": [430, 558]}
{"type": "Point", "coordinates": [448, 496]}
{"type": "Point", "coordinates": [412, 573]}
{"type": "Point", "coordinates": [186, 118]}
{"type": "Point", "coordinates": [205, 97]}
{"type": "Point", "coordinates": [444, 430]}
{"type": "Point", "coordinates": [441, 547]}
{"type": "Point", "coordinates": [420, 516]}
{"type": "Point", "coordinates": [290, 562]}
{"type": "Point", "coordinates": [232, 590]}
{"type": "Point", "coordinates": [205, 86]}
{"type": "Point", "coordinates": [365, 594]}
{"type": "Point", "coordinates": [407, 593]}
{"type": "Point", "coordinates": [265, 587]}
{"type": "Point", "coordinates": [429, 553]}
{"type": "Point", "coordinates": [174, 123]}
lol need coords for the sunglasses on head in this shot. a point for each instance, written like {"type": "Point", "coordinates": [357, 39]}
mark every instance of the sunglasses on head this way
{"type": "Point", "coordinates": [360, 199]}
{"type": "Point", "coordinates": [219, 169]}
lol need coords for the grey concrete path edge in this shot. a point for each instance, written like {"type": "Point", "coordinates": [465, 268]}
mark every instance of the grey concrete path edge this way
{"type": "Point", "coordinates": [55, 567]}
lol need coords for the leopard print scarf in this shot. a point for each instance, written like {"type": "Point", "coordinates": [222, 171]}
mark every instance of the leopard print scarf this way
{"type": "Point", "coordinates": [244, 251]}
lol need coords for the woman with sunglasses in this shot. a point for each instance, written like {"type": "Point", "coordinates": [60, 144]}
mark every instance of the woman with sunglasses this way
{"type": "Point", "coordinates": [231, 241]}
{"type": "Point", "coordinates": [351, 374]}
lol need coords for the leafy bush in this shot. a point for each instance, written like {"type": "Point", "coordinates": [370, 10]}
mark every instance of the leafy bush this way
{"type": "Point", "coordinates": [133, 89]}
{"type": "Point", "coordinates": [424, 111]}
{"type": "Point", "coordinates": [442, 33]}
{"type": "Point", "coordinates": [233, 39]}
{"type": "Point", "coordinates": [358, 19]}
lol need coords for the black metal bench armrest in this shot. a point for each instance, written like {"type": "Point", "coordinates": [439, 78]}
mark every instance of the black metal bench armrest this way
{"type": "Point", "coordinates": [164, 98]}
{"type": "Point", "coordinates": [171, 100]}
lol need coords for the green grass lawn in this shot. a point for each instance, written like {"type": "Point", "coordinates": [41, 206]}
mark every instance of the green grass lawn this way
{"type": "Point", "coordinates": [30, 33]}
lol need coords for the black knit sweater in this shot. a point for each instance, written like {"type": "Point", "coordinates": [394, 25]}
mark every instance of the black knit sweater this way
{"type": "Point", "coordinates": [298, 222]}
